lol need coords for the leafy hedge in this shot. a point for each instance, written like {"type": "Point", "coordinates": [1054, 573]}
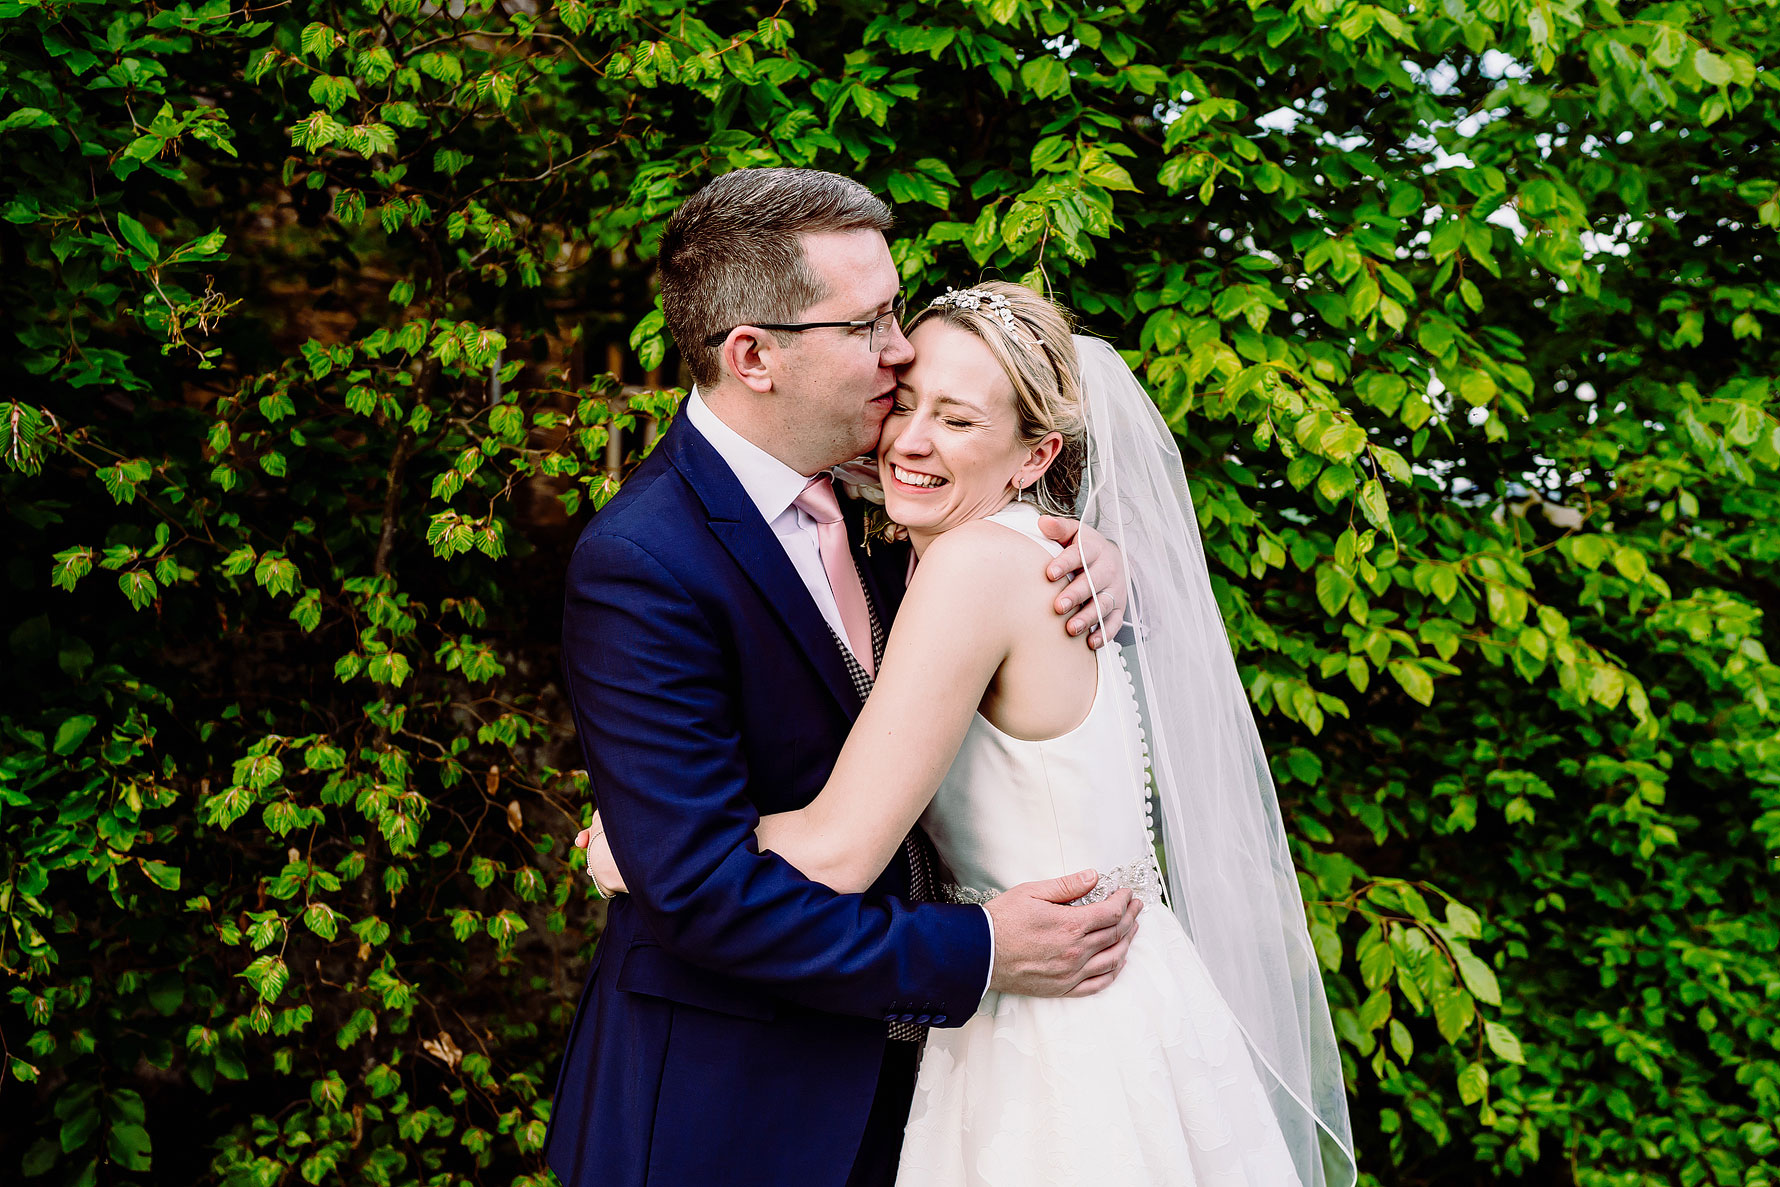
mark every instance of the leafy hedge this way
{"type": "Point", "coordinates": [319, 316]}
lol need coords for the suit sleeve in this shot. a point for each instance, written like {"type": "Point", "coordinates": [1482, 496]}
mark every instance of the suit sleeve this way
{"type": "Point", "coordinates": [645, 673]}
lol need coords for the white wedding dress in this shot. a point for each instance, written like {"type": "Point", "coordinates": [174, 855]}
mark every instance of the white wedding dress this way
{"type": "Point", "coordinates": [1148, 1081]}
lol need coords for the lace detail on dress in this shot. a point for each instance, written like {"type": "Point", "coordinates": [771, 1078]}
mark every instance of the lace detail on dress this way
{"type": "Point", "coordinates": [1140, 876]}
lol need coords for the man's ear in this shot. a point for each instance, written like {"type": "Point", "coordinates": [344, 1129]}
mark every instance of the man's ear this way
{"type": "Point", "coordinates": [748, 354]}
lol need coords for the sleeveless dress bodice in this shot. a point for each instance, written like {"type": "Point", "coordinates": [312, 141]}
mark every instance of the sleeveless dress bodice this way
{"type": "Point", "coordinates": [1073, 802]}
{"type": "Point", "coordinates": [1146, 1083]}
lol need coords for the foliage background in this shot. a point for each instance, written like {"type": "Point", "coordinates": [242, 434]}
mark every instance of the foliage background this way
{"type": "Point", "coordinates": [328, 324]}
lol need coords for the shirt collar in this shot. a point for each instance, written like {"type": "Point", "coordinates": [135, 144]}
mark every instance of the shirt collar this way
{"type": "Point", "coordinates": [769, 483]}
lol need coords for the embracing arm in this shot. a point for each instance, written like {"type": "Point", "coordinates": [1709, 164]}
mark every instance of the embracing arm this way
{"type": "Point", "coordinates": [951, 635]}
{"type": "Point", "coordinates": [662, 741]}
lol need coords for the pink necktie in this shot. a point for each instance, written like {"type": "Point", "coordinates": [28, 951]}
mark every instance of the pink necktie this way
{"type": "Point", "coordinates": [819, 503]}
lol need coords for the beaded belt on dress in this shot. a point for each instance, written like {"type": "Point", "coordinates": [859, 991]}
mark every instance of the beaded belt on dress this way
{"type": "Point", "coordinates": [1140, 876]}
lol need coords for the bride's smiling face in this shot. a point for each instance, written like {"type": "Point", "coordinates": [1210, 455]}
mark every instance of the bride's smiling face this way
{"type": "Point", "coordinates": [951, 449]}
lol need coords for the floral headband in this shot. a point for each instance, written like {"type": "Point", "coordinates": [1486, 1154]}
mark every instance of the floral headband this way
{"type": "Point", "coordinates": [996, 306]}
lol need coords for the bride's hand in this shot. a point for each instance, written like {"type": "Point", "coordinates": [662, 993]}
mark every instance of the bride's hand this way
{"type": "Point", "coordinates": [1105, 580]}
{"type": "Point", "coordinates": [599, 863]}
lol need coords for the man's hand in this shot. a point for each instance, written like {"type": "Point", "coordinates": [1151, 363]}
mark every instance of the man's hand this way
{"type": "Point", "coordinates": [604, 870]}
{"type": "Point", "coordinates": [1105, 570]}
{"type": "Point", "coordinates": [1044, 948]}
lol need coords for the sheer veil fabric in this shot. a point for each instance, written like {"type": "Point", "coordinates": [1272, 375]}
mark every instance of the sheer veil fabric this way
{"type": "Point", "coordinates": [1230, 877]}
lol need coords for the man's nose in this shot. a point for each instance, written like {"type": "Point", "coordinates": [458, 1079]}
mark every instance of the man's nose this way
{"type": "Point", "coordinates": [897, 350]}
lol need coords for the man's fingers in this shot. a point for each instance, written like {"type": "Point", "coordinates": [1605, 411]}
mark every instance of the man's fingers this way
{"type": "Point", "coordinates": [1091, 604]}
{"type": "Point", "coordinates": [1108, 960]}
{"type": "Point", "coordinates": [1106, 964]}
{"type": "Point", "coordinates": [1128, 921]}
{"type": "Point", "coordinates": [1103, 923]}
{"type": "Point", "coordinates": [1093, 985]}
{"type": "Point", "coordinates": [1099, 637]}
{"type": "Point", "coordinates": [1066, 888]}
{"type": "Point", "coordinates": [1065, 563]}
{"type": "Point", "coordinates": [1057, 528]}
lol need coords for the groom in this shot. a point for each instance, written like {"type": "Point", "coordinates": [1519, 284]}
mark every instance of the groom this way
{"type": "Point", "coordinates": [742, 1024]}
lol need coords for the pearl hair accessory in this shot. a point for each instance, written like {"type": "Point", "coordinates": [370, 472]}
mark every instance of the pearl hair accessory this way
{"type": "Point", "coordinates": [996, 306]}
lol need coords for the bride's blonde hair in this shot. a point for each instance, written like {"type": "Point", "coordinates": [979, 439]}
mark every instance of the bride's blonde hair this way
{"type": "Point", "coordinates": [1030, 337]}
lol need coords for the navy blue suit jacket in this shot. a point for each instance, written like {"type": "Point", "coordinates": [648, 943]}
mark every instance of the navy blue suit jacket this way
{"type": "Point", "coordinates": [732, 1028]}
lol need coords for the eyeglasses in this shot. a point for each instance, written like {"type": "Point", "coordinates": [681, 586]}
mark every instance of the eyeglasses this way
{"type": "Point", "coordinates": [880, 326]}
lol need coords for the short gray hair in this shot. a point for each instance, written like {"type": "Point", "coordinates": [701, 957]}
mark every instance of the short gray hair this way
{"type": "Point", "coordinates": [733, 253]}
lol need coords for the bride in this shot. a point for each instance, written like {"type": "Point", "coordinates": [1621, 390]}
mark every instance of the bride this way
{"type": "Point", "coordinates": [1209, 1058]}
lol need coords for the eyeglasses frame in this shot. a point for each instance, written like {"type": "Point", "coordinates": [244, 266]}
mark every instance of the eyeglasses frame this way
{"type": "Point", "coordinates": [897, 308]}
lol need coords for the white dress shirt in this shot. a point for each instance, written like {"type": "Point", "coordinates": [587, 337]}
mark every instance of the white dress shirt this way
{"type": "Point", "coordinates": [773, 487]}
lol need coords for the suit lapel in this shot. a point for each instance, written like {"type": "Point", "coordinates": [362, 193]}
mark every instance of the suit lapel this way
{"type": "Point", "coordinates": [736, 523]}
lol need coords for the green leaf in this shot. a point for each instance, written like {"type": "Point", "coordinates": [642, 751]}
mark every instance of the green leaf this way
{"type": "Point", "coordinates": [1333, 588]}
{"type": "Point", "coordinates": [1453, 1012]}
{"type": "Point", "coordinates": [317, 41]}
{"type": "Point", "coordinates": [138, 586]}
{"type": "Point", "coordinates": [161, 874]}
{"type": "Point", "coordinates": [1479, 978]}
{"type": "Point", "coordinates": [1464, 923]}
{"type": "Point", "coordinates": [1401, 1043]}
{"type": "Point", "coordinates": [1336, 483]}
{"type": "Point", "coordinates": [389, 668]}
{"type": "Point", "coordinates": [1376, 959]}
{"type": "Point", "coordinates": [39, 1158]}
{"type": "Point", "coordinates": [1630, 563]}
{"type": "Point", "coordinates": [1503, 1042]}
{"type": "Point", "coordinates": [1045, 76]}
{"type": "Point", "coordinates": [129, 1147]}
{"type": "Point", "coordinates": [1414, 680]}
{"type": "Point", "coordinates": [137, 236]}
{"type": "Point", "coordinates": [1711, 67]}
{"type": "Point", "coordinates": [79, 1129]}
{"type": "Point", "coordinates": [1373, 504]}
{"type": "Point", "coordinates": [1375, 1010]}
{"type": "Point", "coordinates": [1474, 1081]}
{"type": "Point", "coordinates": [72, 732]}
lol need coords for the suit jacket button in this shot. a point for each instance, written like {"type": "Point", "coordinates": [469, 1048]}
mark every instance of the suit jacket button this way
{"type": "Point", "coordinates": [923, 1019]}
{"type": "Point", "coordinates": [905, 1017]}
{"type": "Point", "coordinates": [939, 1019]}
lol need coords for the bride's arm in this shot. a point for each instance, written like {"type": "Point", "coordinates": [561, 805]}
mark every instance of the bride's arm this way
{"type": "Point", "coordinates": [956, 625]}
{"type": "Point", "coordinates": [951, 635]}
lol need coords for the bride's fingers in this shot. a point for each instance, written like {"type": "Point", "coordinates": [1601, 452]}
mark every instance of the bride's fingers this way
{"type": "Point", "coordinates": [582, 837]}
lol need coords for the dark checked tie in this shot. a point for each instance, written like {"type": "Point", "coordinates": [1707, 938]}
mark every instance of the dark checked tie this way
{"type": "Point", "coordinates": [915, 847]}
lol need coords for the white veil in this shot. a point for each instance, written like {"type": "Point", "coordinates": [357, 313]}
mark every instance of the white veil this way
{"type": "Point", "coordinates": [1231, 880]}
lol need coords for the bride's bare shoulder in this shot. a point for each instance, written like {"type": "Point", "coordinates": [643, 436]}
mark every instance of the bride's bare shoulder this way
{"type": "Point", "coordinates": [985, 556]}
